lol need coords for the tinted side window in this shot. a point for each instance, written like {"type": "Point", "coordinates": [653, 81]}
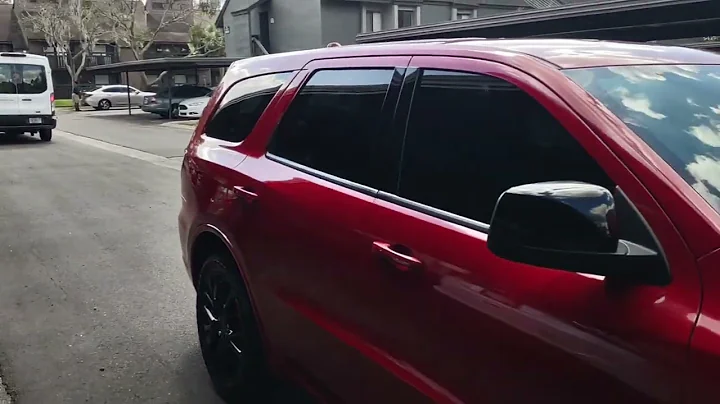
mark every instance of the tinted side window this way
{"type": "Point", "coordinates": [470, 137]}
{"type": "Point", "coordinates": [242, 106]}
{"type": "Point", "coordinates": [182, 92]}
{"type": "Point", "coordinates": [200, 91]}
{"type": "Point", "coordinates": [334, 123]}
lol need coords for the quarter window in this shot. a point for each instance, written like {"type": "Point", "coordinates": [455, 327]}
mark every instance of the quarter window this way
{"type": "Point", "coordinates": [242, 106]}
{"type": "Point", "coordinates": [335, 123]}
{"type": "Point", "coordinates": [470, 137]}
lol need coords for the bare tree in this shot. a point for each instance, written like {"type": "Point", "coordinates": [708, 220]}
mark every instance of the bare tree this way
{"type": "Point", "coordinates": [64, 22]}
{"type": "Point", "coordinates": [130, 28]}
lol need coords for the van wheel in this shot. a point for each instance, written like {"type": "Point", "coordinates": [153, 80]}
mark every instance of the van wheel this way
{"type": "Point", "coordinates": [46, 135]}
{"type": "Point", "coordinates": [229, 337]}
{"type": "Point", "coordinates": [104, 104]}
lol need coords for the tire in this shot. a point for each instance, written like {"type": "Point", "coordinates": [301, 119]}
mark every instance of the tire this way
{"type": "Point", "coordinates": [46, 135]}
{"type": "Point", "coordinates": [104, 104]}
{"type": "Point", "coordinates": [225, 317]}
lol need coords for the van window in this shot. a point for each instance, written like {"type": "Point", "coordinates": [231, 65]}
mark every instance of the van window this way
{"type": "Point", "coordinates": [22, 79]}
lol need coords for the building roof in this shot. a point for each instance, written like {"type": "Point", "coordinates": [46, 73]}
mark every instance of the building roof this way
{"type": "Point", "coordinates": [6, 14]}
{"type": "Point", "coordinates": [163, 64]}
{"type": "Point", "coordinates": [572, 53]}
{"type": "Point", "coordinates": [172, 37]}
{"type": "Point", "coordinates": [641, 20]}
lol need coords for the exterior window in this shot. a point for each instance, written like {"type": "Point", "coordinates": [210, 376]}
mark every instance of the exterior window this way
{"type": "Point", "coordinates": [180, 79]}
{"type": "Point", "coordinates": [102, 79]}
{"type": "Point", "coordinates": [334, 124]}
{"type": "Point", "coordinates": [156, 5]}
{"type": "Point", "coordinates": [464, 14]}
{"type": "Point", "coordinates": [373, 21]}
{"type": "Point", "coordinates": [22, 79]}
{"type": "Point", "coordinates": [242, 106]}
{"type": "Point", "coordinates": [406, 17]}
{"type": "Point", "coordinates": [464, 137]}
{"type": "Point", "coordinates": [100, 49]}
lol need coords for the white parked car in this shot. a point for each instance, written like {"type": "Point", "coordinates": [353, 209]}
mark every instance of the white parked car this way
{"type": "Point", "coordinates": [116, 95]}
{"type": "Point", "coordinates": [27, 98]}
{"type": "Point", "coordinates": [193, 107]}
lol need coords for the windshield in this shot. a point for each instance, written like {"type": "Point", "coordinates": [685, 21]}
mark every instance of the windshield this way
{"type": "Point", "coordinates": [674, 109]}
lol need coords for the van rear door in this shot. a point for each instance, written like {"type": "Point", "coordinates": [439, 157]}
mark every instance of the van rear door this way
{"type": "Point", "coordinates": [9, 100]}
{"type": "Point", "coordinates": [34, 91]}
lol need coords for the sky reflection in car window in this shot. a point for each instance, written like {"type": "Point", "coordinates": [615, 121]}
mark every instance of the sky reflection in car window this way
{"type": "Point", "coordinates": [675, 109]}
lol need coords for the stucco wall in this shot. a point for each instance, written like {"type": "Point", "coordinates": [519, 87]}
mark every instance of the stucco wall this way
{"type": "Point", "coordinates": [431, 13]}
{"type": "Point", "coordinates": [296, 25]}
{"type": "Point", "coordinates": [341, 21]}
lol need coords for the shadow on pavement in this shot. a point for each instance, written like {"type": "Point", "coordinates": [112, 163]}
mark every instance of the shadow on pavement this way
{"type": "Point", "coordinates": [196, 383]}
{"type": "Point", "coordinates": [137, 118]}
{"type": "Point", "coordinates": [20, 141]}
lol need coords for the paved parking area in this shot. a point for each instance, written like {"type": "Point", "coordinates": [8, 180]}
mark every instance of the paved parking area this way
{"type": "Point", "coordinates": [96, 304]}
{"type": "Point", "coordinates": [141, 131]}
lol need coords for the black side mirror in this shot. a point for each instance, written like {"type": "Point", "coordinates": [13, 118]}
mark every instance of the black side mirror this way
{"type": "Point", "coordinates": [570, 226]}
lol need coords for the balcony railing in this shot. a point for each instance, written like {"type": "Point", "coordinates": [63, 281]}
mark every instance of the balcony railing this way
{"type": "Point", "coordinates": [95, 59]}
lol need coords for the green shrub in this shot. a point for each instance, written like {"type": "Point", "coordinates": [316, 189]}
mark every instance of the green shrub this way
{"type": "Point", "coordinates": [63, 103]}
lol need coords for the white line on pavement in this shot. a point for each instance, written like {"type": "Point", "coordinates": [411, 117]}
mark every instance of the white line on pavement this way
{"type": "Point", "coordinates": [125, 151]}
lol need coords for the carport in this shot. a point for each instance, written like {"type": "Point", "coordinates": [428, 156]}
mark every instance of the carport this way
{"type": "Point", "coordinates": [623, 20]}
{"type": "Point", "coordinates": [164, 64]}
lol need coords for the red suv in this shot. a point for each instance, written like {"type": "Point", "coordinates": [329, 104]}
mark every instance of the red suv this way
{"type": "Point", "coordinates": [461, 221]}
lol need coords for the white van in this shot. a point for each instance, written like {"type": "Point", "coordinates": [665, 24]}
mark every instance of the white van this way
{"type": "Point", "coordinates": [27, 97]}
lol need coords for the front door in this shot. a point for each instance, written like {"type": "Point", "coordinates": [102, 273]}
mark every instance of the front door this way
{"type": "Point", "coordinates": [462, 325]}
{"type": "Point", "coordinates": [305, 241]}
{"type": "Point", "coordinates": [265, 30]}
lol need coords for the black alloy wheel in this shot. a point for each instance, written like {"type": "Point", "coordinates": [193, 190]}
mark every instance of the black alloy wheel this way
{"type": "Point", "coordinates": [229, 338]}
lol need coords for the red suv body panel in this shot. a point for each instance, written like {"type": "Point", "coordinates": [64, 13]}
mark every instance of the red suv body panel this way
{"type": "Point", "coordinates": [471, 327]}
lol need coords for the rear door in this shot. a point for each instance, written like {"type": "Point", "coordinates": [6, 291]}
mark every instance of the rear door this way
{"type": "Point", "coordinates": [33, 89]}
{"type": "Point", "coordinates": [460, 324]}
{"type": "Point", "coordinates": [117, 95]}
{"type": "Point", "coordinates": [9, 100]}
{"type": "Point", "coordinates": [305, 242]}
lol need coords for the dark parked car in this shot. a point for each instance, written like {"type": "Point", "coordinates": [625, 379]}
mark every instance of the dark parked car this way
{"type": "Point", "coordinates": [472, 221]}
{"type": "Point", "coordinates": [160, 102]}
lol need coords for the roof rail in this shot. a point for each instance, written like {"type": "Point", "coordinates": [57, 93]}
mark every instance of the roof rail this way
{"type": "Point", "coordinates": [13, 54]}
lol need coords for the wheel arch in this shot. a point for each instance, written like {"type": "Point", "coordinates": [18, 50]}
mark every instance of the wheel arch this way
{"type": "Point", "coordinates": [208, 241]}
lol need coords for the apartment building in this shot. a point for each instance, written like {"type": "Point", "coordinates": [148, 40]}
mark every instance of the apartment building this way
{"type": "Point", "coordinates": [287, 25]}
{"type": "Point", "coordinates": [171, 41]}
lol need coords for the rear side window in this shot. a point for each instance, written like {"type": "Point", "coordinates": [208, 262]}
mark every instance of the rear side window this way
{"type": "Point", "coordinates": [242, 106]}
{"type": "Point", "coordinates": [470, 137]}
{"type": "Point", "coordinates": [334, 123]}
{"type": "Point", "coordinates": [22, 79]}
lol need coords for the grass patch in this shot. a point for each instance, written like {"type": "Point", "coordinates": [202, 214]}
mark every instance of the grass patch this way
{"type": "Point", "coordinates": [63, 104]}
